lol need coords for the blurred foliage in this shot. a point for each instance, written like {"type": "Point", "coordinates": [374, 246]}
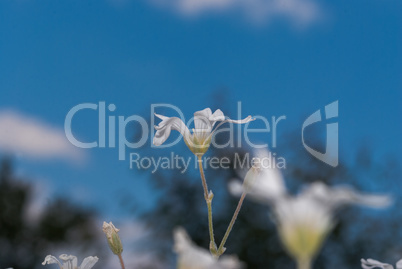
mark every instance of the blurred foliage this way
{"type": "Point", "coordinates": [359, 233]}
{"type": "Point", "coordinates": [24, 242]}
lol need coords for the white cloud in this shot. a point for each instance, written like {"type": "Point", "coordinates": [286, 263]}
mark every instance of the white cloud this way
{"type": "Point", "coordinates": [29, 137]}
{"type": "Point", "coordinates": [299, 12]}
{"type": "Point", "coordinates": [38, 201]}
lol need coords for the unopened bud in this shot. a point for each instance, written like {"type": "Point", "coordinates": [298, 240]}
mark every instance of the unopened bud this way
{"type": "Point", "coordinates": [113, 238]}
{"type": "Point", "coordinates": [251, 176]}
{"type": "Point", "coordinates": [210, 196]}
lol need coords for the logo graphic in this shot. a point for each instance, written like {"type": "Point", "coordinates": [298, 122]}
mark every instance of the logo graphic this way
{"type": "Point", "coordinates": [330, 156]}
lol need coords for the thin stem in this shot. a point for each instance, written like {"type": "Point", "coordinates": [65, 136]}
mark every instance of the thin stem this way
{"type": "Point", "coordinates": [208, 200]}
{"type": "Point", "coordinates": [121, 261]}
{"type": "Point", "coordinates": [221, 248]}
{"type": "Point", "coordinates": [204, 182]}
{"type": "Point", "coordinates": [304, 263]}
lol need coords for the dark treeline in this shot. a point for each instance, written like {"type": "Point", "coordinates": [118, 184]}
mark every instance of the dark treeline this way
{"type": "Point", "coordinates": [25, 242]}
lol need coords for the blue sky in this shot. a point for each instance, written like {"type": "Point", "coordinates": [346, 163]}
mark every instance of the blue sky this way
{"type": "Point", "coordinates": [293, 61]}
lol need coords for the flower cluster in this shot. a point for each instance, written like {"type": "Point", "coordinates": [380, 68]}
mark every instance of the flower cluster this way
{"type": "Point", "coordinates": [70, 261]}
{"type": "Point", "coordinates": [303, 221]}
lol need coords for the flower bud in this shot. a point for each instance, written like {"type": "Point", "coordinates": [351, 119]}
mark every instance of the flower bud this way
{"type": "Point", "coordinates": [210, 195]}
{"type": "Point", "coordinates": [113, 238]}
{"type": "Point", "coordinates": [251, 177]}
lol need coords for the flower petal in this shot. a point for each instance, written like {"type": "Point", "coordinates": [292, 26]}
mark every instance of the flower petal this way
{"type": "Point", "coordinates": [191, 256]}
{"type": "Point", "coordinates": [399, 264]}
{"type": "Point", "coordinates": [217, 116]}
{"type": "Point", "coordinates": [50, 260]}
{"type": "Point", "coordinates": [165, 126]}
{"type": "Point", "coordinates": [181, 240]}
{"type": "Point", "coordinates": [245, 120]}
{"type": "Point", "coordinates": [235, 188]}
{"type": "Point", "coordinates": [303, 225]}
{"type": "Point", "coordinates": [109, 229]}
{"type": "Point", "coordinates": [370, 263]}
{"type": "Point", "coordinates": [202, 122]}
{"type": "Point", "coordinates": [69, 261]}
{"type": "Point", "coordinates": [340, 196]}
{"type": "Point", "coordinates": [89, 262]}
{"type": "Point", "coordinates": [264, 183]}
{"type": "Point", "coordinates": [229, 262]}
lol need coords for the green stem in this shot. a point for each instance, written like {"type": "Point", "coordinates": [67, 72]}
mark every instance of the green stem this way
{"type": "Point", "coordinates": [121, 261]}
{"type": "Point", "coordinates": [221, 248]}
{"type": "Point", "coordinates": [208, 200]}
{"type": "Point", "coordinates": [304, 263]}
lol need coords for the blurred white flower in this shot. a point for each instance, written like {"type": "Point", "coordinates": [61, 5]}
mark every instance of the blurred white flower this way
{"type": "Point", "coordinates": [304, 220]}
{"type": "Point", "coordinates": [70, 261]}
{"type": "Point", "coordinates": [370, 263]}
{"type": "Point", "coordinates": [199, 140]}
{"type": "Point", "coordinates": [263, 182]}
{"type": "Point", "coordinates": [302, 225]}
{"type": "Point", "coordinates": [336, 197]}
{"type": "Point", "coordinates": [191, 256]}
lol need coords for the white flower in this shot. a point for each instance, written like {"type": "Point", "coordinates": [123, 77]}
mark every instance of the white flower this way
{"type": "Point", "coordinates": [304, 220]}
{"type": "Point", "coordinates": [191, 256]}
{"type": "Point", "coordinates": [302, 225]}
{"type": "Point", "coordinates": [70, 262]}
{"type": "Point", "coordinates": [370, 263]}
{"type": "Point", "coordinates": [204, 121]}
{"type": "Point", "coordinates": [262, 182]}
